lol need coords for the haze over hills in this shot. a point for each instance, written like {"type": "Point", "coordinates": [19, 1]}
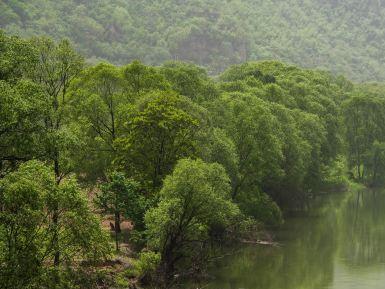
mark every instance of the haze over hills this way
{"type": "Point", "coordinates": [344, 37]}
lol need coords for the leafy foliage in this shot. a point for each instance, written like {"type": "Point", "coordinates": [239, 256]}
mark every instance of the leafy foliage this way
{"type": "Point", "coordinates": [120, 196]}
{"type": "Point", "coordinates": [29, 198]}
{"type": "Point", "coordinates": [342, 36]}
{"type": "Point", "coordinates": [186, 157]}
{"type": "Point", "coordinates": [194, 200]}
{"type": "Point", "coordinates": [161, 130]}
{"type": "Point", "coordinates": [364, 119]}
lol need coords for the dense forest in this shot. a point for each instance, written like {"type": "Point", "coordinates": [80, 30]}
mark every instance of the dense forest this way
{"type": "Point", "coordinates": [345, 37]}
{"type": "Point", "coordinates": [111, 175]}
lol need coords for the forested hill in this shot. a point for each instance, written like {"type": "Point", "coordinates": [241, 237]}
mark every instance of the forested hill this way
{"type": "Point", "coordinates": [344, 36]}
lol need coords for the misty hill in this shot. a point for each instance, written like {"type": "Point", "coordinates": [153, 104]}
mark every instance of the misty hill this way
{"type": "Point", "coordinates": [345, 37]}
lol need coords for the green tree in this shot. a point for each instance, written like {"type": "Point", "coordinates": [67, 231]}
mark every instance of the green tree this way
{"type": "Point", "coordinates": [363, 115]}
{"type": "Point", "coordinates": [376, 164]}
{"type": "Point", "coordinates": [194, 200]}
{"type": "Point", "coordinates": [305, 105]}
{"type": "Point", "coordinates": [140, 79]}
{"type": "Point", "coordinates": [161, 129]}
{"type": "Point", "coordinates": [314, 133]}
{"type": "Point", "coordinates": [22, 110]}
{"type": "Point", "coordinates": [254, 131]}
{"type": "Point", "coordinates": [30, 237]}
{"type": "Point", "coordinates": [98, 105]}
{"type": "Point", "coordinates": [290, 186]}
{"type": "Point", "coordinates": [58, 65]}
{"type": "Point", "coordinates": [189, 80]}
{"type": "Point", "coordinates": [122, 197]}
{"type": "Point", "coordinates": [16, 57]}
{"type": "Point", "coordinates": [215, 146]}
{"type": "Point", "coordinates": [22, 105]}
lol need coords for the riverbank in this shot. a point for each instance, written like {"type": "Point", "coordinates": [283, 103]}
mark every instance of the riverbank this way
{"type": "Point", "coordinates": [125, 273]}
{"type": "Point", "coordinates": [338, 245]}
{"type": "Point", "coordinates": [126, 269]}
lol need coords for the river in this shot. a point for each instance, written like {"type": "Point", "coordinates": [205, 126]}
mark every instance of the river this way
{"type": "Point", "coordinates": [338, 244]}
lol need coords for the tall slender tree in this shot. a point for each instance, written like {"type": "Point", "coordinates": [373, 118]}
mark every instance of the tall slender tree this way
{"type": "Point", "coordinates": [58, 65]}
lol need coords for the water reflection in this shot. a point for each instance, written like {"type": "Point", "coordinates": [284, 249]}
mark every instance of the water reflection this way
{"type": "Point", "coordinates": [340, 245]}
{"type": "Point", "coordinates": [362, 230]}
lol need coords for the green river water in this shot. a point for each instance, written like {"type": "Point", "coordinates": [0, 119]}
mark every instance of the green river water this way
{"type": "Point", "coordinates": [340, 244]}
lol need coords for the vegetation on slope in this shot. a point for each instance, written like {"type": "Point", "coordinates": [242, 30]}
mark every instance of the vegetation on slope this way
{"type": "Point", "coordinates": [344, 37]}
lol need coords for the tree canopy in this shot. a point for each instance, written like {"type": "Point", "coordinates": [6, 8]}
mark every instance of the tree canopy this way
{"type": "Point", "coordinates": [185, 160]}
{"type": "Point", "coordinates": [344, 37]}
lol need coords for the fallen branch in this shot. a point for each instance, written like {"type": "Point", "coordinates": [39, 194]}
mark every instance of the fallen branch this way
{"type": "Point", "coordinates": [260, 242]}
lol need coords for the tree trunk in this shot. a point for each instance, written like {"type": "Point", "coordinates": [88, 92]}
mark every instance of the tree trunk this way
{"type": "Point", "coordinates": [117, 222]}
{"type": "Point", "coordinates": [117, 229]}
{"type": "Point", "coordinates": [55, 220]}
{"type": "Point", "coordinates": [55, 239]}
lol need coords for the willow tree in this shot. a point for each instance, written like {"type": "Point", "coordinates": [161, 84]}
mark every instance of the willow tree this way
{"type": "Point", "coordinates": [98, 106]}
{"type": "Point", "coordinates": [162, 127]}
{"type": "Point", "coordinates": [364, 119]}
{"type": "Point", "coordinates": [195, 200]}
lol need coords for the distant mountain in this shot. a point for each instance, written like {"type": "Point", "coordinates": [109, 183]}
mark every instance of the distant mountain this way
{"type": "Point", "coordinates": [345, 37]}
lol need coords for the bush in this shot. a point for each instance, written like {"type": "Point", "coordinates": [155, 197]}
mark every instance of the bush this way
{"type": "Point", "coordinates": [143, 268]}
{"type": "Point", "coordinates": [335, 177]}
{"type": "Point", "coordinates": [261, 207]}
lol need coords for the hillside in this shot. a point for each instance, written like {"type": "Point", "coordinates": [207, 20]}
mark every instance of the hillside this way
{"type": "Point", "coordinates": [342, 36]}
